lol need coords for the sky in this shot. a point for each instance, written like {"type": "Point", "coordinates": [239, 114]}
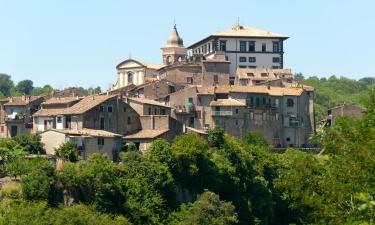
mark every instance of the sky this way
{"type": "Point", "coordinates": [67, 43]}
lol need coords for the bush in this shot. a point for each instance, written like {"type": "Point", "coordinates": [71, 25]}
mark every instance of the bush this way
{"type": "Point", "coordinates": [30, 142]}
{"type": "Point", "coordinates": [68, 151]}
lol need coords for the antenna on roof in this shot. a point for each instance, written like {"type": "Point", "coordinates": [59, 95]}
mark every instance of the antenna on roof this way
{"type": "Point", "coordinates": [238, 20]}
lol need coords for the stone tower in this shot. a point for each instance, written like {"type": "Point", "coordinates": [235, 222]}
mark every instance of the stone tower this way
{"type": "Point", "coordinates": [174, 50]}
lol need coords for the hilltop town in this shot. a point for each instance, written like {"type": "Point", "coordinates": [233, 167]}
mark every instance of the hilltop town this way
{"type": "Point", "coordinates": [234, 79]}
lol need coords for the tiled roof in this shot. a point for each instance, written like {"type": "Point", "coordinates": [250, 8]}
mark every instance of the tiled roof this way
{"type": "Point", "coordinates": [256, 73]}
{"type": "Point", "coordinates": [261, 89]}
{"type": "Point", "coordinates": [87, 103]}
{"type": "Point", "coordinates": [81, 107]}
{"type": "Point", "coordinates": [241, 31]}
{"type": "Point", "coordinates": [146, 134]}
{"type": "Point", "coordinates": [148, 102]}
{"type": "Point", "coordinates": [64, 100]}
{"type": "Point", "coordinates": [227, 102]}
{"type": "Point", "coordinates": [88, 132]}
{"type": "Point", "coordinates": [20, 100]}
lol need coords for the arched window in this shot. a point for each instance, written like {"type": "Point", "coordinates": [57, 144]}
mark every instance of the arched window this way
{"type": "Point", "coordinates": [130, 78]}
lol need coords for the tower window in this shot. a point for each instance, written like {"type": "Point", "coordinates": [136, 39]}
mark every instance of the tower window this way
{"type": "Point", "coordinates": [242, 59]}
{"type": "Point", "coordinates": [276, 59]}
{"type": "Point", "coordinates": [252, 59]}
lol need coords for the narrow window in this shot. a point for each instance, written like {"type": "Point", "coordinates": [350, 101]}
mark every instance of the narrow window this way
{"type": "Point", "coordinates": [129, 120]}
{"type": "Point", "coordinates": [100, 141]}
{"type": "Point", "coordinates": [252, 59]}
{"type": "Point", "coordinates": [216, 79]}
{"type": "Point", "coordinates": [242, 59]}
{"type": "Point", "coordinates": [242, 46]}
{"type": "Point", "coordinates": [289, 102]}
{"type": "Point", "coordinates": [101, 108]}
{"type": "Point", "coordinates": [130, 78]}
{"type": "Point", "coordinates": [263, 47]}
{"type": "Point", "coordinates": [276, 46]}
{"type": "Point", "coordinates": [237, 111]}
{"type": "Point", "coordinates": [149, 111]}
{"type": "Point", "coordinates": [223, 45]}
{"type": "Point", "coordinates": [251, 46]}
{"type": "Point", "coordinates": [276, 59]}
{"type": "Point", "coordinates": [109, 109]}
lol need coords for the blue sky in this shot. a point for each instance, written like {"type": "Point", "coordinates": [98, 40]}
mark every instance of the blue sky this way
{"type": "Point", "coordinates": [79, 43]}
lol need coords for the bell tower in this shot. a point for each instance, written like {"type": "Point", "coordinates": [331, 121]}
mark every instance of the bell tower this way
{"type": "Point", "coordinates": [174, 51]}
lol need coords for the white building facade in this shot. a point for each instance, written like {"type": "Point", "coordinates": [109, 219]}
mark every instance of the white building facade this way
{"type": "Point", "coordinates": [244, 47]}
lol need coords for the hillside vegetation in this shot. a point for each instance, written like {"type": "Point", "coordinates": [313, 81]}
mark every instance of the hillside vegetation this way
{"type": "Point", "coordinates": [194, 181]}
{"type": "Point", "coordinates": [336, 91]}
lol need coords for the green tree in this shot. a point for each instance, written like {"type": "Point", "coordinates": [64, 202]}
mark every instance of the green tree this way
{"type": "Point", "coordinates": [25, 87]}
{"type": "Point", "coordinates": [216, 137]}
{"type": "Point", "coordinates": [30, 142]}
{"type": "Point", "coordinates": [68, 151]}
{"type": "Point", "coordinates": [46, 89]}
{"type": "Point", "coordinates": [6, 84]}
{"type": "Point", "coordinates": [255, 138]}
{"type": "Point", "coordinates": [207, 209]}
{"type": "Point", "coordinates": [10, 149]}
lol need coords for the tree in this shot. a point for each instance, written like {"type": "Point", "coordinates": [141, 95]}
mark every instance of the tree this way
{"type": "Point", "coordinates": [255, 138]}
{"type": "Point", "coordinates": [25, 87]}
{"type": "Point", "coordinates": [216, 137]}
{"type": "Point", "coordinates": [10, 149]}
{"type": "Point", "coordinates": [30, 142]}
{"type": "Point", "coordinates": [207, 209]}
{"type": "Point", "coordinates": [46, 89]}
{"type": "Point", "coordinates": [6, 84]}
{"type": "Point", "coordinates": [68, 151]}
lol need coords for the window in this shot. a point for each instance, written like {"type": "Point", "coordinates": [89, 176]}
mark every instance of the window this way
{"type": "Point", "coordinates": [101, 123]}
{"type": "Point", "coordinates": [191, 122]}
{"type": "Point", "coordinates": [124, 108]}
{"type": "Point", "coordinates": [223, 45]}
{"type": "Point", "coordinates": [252, 67]}
{"type": "Point", "coordinates": [109, 109]}
{"type": "Point", "coordinates": [251, 115]}
{"type": "Point", "coordinates": [242, 66]}
{"type": "Point", "coordinates": [263, 47]}
{"type": "Point", "coordinates": [236, 122]}
{"type": "Point", "coordinates": [190, 100]}
{"type": "Point", "coordinates": [276, 46]}
{"type": "Point", "coordinates": [162, 111]}
{"type": "Point", "coordinates": [249, 101]}
{"type": "Point", "coordinates": [189, 80]}
{"type": "Point", "coordinates": [209, 47]}
{"type": "Point", "coordinates": [130, 78]}
{"type": "Point", "coordinates": [59, 119]}
{"type": "Point", "coordinates": [206, 126]}
{"type": "Point", "coordinates": [264, 74]}
{"type": "Point", "coordinates": [100, 141]}
{"type": "Point", "coordinates": [250, 74]}
{"type": "Point", "coordinates": [277, 116]}
{"type": "Point", "coordinates": [242, 46]}
{"type": "Point", "coordinates": [242, 59]}
{"type": "Point", "coordinates": [264, 101]}
{"type": "Point", "coordinates": [288, 139]}
{"type": "Point", "coordinates": [204, 48]}
{"type": "Point", "coordinates": [264, 116]}
{"type": "Point", "coordinates": [251, 46]}
{"type": "Point", "coordinates": [101, 108]}
{"type": "Point", "coordinates": [293, 122]}
{"type": "Point", "coordinates": [149, 111]}
{"type": "Point", "coordinates": [216, 79]}
{"type": "Point", "coordinates": [198, 114]}
{"type": "Point", "coordinates": [277, 102]}
{"type": "Point", "coordinates": [155, 111]}
{"type": "Point", "coordinates": [129, 120]}
{"type": "Point", "coordinates": [252, 59]}
{"type": "Point", "coordinates": [275, 59]}
{"type": "Point", "coordinates": [289, 102]}
{"type": "Point", "coordinates": [257, 101]}
{"type": "Point", "coordinates": [237, 111]}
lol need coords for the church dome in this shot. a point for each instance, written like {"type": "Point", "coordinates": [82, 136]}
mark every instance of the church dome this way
{"type": "Point", "coordinates": [174, 40]}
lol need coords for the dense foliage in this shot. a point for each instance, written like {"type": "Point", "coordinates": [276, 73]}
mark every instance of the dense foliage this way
{"type": "Point", "coordinates": [221, 180]}
{"type": "Point", "coordinates": [335, 91]}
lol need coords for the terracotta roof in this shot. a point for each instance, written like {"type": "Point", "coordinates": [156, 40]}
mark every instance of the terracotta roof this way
{"type": "Point", "coordinates": [227, 102]}
{"type": "Point", "coordinates": [20, 100]}
{"type": "Point", "coordinates": [87, 103]}
{"type": "Point", "coordinates": [81, 107]}
{"type": "Point", "coordinates": [49, 112]}
{"type": "Point", "coordinates": [308, 88]}
{"type": "Point", "coordinates": [88, 132]}
{"type": "Point", "coordinates": [257, 73]}
{"type": "Point", "coordinates": [64, 100]}
{"type": "Point", "coordinates": [241, 31]}
{"type": "Point", "coordinates": [146, 134]}
{"type": "Point", "coordinates": [148, 102]}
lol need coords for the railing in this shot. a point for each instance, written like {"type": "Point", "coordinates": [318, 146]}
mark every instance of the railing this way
{"type": "Point", "coordinates": [222, 113]}
{"type": "Point", "coordinates": [185, 109]}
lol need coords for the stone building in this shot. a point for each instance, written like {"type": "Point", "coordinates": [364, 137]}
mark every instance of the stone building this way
{"type": "Point", "coordinates": [284, 115]}
{"type": "Point", "coordinates": [244, 47]}
{"type": "Point", "coordinates": [346, 110]}
{"type": "Point", "coordinates": [16, 114]}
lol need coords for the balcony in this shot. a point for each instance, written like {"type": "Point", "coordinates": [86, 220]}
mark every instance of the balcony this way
{"type": "Point", "coordinates": [262, 106]}
{"type": "Point", "coordinates": [188, 109]}
{"type": "Point", "coordinates": [222, 113]}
